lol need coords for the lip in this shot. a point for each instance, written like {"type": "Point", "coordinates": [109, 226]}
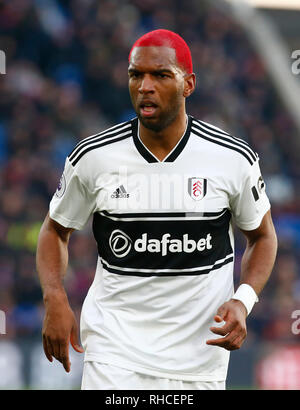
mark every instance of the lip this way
{"type": "Point", "coordinates": [147, 108]}
{"type": "Point", "coordinates": [148, 111]}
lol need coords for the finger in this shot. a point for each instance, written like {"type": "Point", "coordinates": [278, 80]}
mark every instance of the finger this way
{"type": "Point", "coordinates": [215, 342]}
{"type": "Point", "coordinates": [46, 350]}
{"type": "Point", "coordinates": [234, 343]}
{"type": "Point", "coordinates": [50, 348]}
{"type": "Point", "coordinates": [74, 340]}
{"type": "Point", "coordinates": [55, 348]}
{"type": "Point", "coordinates": [230, 342]}
{"type": "Point", "coordinates": [219, 331]}
{"type": "Point", "coordinates": [218, 319]}
{"type": "Point", "coordinates": [61, 353]}
{"type": "Point", "coordinates": [64, 356]}
{"type": "Point", "coordinates": [225, 329]}
{"type": "Point", "coordinates": [221, 313]}
{"type": "Point", "coordinates": [238, 340]}
{"type": "Point", "coordinates": [220, 341]}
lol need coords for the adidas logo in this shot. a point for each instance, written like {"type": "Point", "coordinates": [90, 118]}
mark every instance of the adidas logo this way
{"type": "Point", "coordinates": [120, 193]}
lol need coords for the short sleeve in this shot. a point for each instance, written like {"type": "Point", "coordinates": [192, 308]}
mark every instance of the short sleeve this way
{"type": "Point", "coordinates": [73, 203]}
{"type": "Point", "coordinates": [250, 203]}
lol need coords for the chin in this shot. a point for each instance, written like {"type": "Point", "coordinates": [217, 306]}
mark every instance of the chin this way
{"type": "Point", "coordinates": [151, 123]}
{"type": "Point", "coordinates": [156, 124]}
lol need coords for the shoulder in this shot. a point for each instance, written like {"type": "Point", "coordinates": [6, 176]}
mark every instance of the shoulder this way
{"type": "Point", "coordinates": [227, 144]}
{"type": "Point", "coordinates": [94, 142]}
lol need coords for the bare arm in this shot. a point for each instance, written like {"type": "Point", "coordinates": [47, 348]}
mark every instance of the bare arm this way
{"type": "Point", "coordinates": [259, 256]}
{"type": "Point", "coordinates": [59, 326]}
{"type": "Point", "coordinates": [257, 264]}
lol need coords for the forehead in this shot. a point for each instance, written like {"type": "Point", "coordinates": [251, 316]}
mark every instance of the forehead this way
{"type": "Point", "coordinates": [153, 57]}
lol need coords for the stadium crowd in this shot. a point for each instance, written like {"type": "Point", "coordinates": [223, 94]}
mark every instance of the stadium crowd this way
{"type": "Point", "coordinates": [66, 78]}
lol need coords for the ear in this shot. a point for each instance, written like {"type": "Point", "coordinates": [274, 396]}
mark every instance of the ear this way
{"type": "Point", "coordinates": [189, 84]}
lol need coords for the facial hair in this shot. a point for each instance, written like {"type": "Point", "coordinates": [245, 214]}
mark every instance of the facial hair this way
{"type": "Point", "coordinates": [166, 118]}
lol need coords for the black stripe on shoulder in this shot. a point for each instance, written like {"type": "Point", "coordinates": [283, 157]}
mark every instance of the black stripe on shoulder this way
{"type": "Point", "coordinates": [94, 139]}
{"type": "Point", "coordinates": [219, 131]}
{"type": "Point", "coordinates": [101, 133]}
{"type": "Point", "coordinates": [222, 136]}
{"type": "Point", "coordinates": [99, 145]}
{"type": "Point", "coordinates": [218, 142]}
{"type": "Point", "coordinates": [224, 145]}
{"type": "Point", "coordinates": [100, 140]}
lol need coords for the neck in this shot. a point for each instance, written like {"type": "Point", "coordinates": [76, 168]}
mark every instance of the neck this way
{"type": "Point", "coordinates": [161, 143]}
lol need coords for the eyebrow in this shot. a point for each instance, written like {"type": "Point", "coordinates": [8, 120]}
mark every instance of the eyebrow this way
{"type": "Point", "coordinates": [158, 71]}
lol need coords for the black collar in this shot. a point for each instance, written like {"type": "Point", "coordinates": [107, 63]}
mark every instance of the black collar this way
{"type": "Point", "coordinates": [171, 157]}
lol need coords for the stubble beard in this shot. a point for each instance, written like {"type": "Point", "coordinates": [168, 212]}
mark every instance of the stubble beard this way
{"type": "Point", "coordinates": [165, 119]}
{"type": "Point", "coordinates": [161, 124]}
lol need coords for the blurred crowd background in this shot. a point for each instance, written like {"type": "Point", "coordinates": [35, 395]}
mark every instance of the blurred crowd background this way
{"type": "Point", "coordinates": [66, 78]}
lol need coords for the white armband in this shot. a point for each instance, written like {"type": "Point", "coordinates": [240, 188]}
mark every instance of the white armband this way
{"type": "Point", "coordinates": [246, 294]}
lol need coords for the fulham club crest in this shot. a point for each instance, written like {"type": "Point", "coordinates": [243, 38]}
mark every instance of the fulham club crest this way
{"type": "Point", "coordinates": [197, 188]}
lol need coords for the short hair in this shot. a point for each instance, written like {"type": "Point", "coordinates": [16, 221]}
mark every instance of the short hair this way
{"type": "Point", "coordinates": [167, 38]}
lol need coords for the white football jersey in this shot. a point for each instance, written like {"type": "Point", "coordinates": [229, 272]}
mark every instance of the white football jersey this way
{"type": "Point", "coordinates": [165, 242]}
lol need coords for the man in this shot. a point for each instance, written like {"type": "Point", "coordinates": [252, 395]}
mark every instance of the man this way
{"type": "Point", "coordinates": [163, 189]}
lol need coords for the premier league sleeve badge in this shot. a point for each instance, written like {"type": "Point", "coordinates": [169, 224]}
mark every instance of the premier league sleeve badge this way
{"type": "Point", "coordinates": [61, 187]}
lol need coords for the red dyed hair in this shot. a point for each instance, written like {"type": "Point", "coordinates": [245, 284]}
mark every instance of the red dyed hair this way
{"type": "Point", "coordinates": [166, 38]}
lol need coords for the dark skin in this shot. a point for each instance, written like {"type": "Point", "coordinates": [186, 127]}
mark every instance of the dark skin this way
{"type": "Point", "coordinates": [156, 78]}
{"type": "Point", "coordinates": [257, 264]}
{"type": "Point", "coordinates": [60, 326]}
{"type": "Point", "coordinates": [158, 88]}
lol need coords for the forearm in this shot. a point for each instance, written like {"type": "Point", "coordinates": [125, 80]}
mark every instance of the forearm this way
{"type": "Point", "coordinates": [52, 260]}
{"type": "Point", "coordinates": [59, 327]}
{"type": "Point", "coordinates": [257, 264]}
{"type": "Point", "coordinates": [258, 260]}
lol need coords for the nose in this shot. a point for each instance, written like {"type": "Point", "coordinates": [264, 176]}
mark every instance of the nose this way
{"type": "Point", "coordinates": [147, 84]}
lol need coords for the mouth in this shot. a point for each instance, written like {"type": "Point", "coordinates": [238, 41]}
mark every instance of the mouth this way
{"type": "Point", "coordinates": [148, 109]}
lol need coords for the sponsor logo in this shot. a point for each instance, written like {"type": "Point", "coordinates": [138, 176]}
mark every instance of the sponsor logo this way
{"type": "Point", "coordinates": [120, 244]}
{"type": "Point", "coordinates": [197, 188]}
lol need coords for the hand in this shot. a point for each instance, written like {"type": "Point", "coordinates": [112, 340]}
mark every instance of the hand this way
{"type": "Point", "coordinates": [234, 331]}
{"type": "Point", "coordinates": [59, 329]}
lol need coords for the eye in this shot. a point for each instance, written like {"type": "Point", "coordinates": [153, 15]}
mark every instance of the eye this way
{"type": "Point", "coordinates": [134, 74]}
